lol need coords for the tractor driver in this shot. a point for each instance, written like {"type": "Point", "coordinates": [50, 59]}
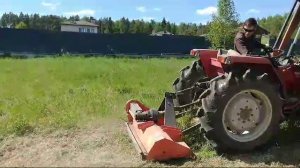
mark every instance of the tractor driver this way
{"type": "Point", "coordinates": [245, 42]}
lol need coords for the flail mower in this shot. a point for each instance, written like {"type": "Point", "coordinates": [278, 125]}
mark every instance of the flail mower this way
{"type": "Point", "coordinates": [239, 101]}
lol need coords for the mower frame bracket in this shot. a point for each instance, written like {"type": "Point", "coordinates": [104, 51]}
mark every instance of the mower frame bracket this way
{"type": "Point", "coordinates": [170, 119]}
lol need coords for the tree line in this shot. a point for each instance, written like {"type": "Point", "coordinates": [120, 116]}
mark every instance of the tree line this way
{"type": "Point", "coordinates": [124, 25]}
{"type": "Point", "coordinates": [106, 24]}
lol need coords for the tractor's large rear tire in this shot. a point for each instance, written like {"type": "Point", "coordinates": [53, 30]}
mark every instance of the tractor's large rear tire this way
{"type": "Point", "coordinates": [189, 76]}
{"type": "Point", "coordinates": [242, 111]}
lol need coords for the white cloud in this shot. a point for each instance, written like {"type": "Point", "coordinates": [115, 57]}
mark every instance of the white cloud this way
{"type": "Point", "coordinates": [51, 6]}
{"type": "Point", "coordinates": [147, 19]}
{"type": "Point", "coordinates": [85, 12]}
{"type": "Point", "coordinates": [157, 9]}
{"type": "Point", "coordinates": [253, 11]}
{"type": "Point", "coordinates": [207, 11]}
{"type": "Point", "coordinates": [142, 9]}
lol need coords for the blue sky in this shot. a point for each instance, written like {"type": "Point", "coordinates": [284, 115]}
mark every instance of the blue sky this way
{"type": "Point", "coordinates": [196, 11]}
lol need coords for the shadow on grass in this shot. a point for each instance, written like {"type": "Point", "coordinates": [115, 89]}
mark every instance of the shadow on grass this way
{"type": "Point", "coordinates": [285, 149]}
{"type": "Point", "coordinates": [176, 162]}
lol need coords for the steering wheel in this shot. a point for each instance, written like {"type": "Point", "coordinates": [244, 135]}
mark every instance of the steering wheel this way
{"type": "Point", "coordinates": [278, 55]}
{"type": "Point", "coordinates": [273, 53]}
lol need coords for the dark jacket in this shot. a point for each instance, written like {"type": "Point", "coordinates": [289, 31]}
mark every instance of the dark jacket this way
{"type": "Point", "coordinates": [245, 45]}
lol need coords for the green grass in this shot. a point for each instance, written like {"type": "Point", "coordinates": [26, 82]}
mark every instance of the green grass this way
{"type": "Point", "coordinates": [63, 93]}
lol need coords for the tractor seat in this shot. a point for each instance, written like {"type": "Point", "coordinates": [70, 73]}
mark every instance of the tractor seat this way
{"type": "Point", "coordinates": [225, 53]}
{"type": "Point", "coordinates": [233, 53]}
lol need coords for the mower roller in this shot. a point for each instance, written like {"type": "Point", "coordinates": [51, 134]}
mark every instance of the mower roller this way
{"type": "Point", "coordinates": [237, 101]}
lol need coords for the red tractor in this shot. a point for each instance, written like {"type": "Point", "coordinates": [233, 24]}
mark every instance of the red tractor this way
{"type": "Point", "coordinates": [239, 101]}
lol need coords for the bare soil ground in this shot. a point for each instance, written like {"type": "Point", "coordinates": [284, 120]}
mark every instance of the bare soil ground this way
{"type": "Point", "coordinates": [107, 144]}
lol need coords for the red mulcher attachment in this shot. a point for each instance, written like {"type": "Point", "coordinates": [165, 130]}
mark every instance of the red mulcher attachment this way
{"type": "Point", "coordinates": [154, 132]}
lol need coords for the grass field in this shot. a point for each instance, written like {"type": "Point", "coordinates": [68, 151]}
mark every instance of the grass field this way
{"type": "Point", "coordinates": [50, 104]}
{"type": "Point", "coordinates": [53, 93]}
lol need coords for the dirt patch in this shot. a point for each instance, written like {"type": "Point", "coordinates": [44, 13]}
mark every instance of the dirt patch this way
{"type": "Point", "coordinates": [102, 146]}
{"type": "Point", "coordinates": [108, 145]}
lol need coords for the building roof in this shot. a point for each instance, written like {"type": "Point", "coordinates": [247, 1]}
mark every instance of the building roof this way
{"type": "Point", "coordinates": [161, 33]}
{"type": "Point", "coordinates": [79, 23]}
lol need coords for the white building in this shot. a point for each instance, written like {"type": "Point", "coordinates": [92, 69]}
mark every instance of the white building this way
{"type": "Point", "coordinates": [161, 33]}
{"type": "Point", "coordinates": [79, 26]}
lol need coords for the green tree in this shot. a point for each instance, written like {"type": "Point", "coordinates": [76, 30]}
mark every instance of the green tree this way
{"type": "Point", "coordinates": [35, 21]}
{"type": "Point", "coordinates": [85, 18]}
{"type": "Point", "coordinates": [164, 24]}
{"type": "Point", "coordinates": [132, 28]}
{"type": "Point", "coordinates": [21, 17]}
{"type": "Point", "coordinates": [168, 27]}
{"type": "Point", "coordinates": [110, 25]}
{"type": "Point", "coordinates": [107, 25]}
{"type": "Point", "coordinates": [124, 25]}
{"type": "Point", "coordinates": [22, 25]}
{"type": "Point", "coordinates": [9, 20]}
{"type": "Point", "coordinates": [139, 26]}
{"type": "Point", "coordinates": [148, 28]}
{"type": "Point", "coordinates": [223, 25]}
{"type": "Point", "coordinates": [273, 24]}
{"type": "Point", "coordinates": [182, 29]}
{"type": "Point", "coordinates": [101, 25]}
{"type": "Point", "coordinates": [4, 20]}
{"type": "Point", "coordinates": [74, 18]}
{"type": "Point", "coordinates": [26, 19]}
{"type": "Point", "coordinates": [173, 28]}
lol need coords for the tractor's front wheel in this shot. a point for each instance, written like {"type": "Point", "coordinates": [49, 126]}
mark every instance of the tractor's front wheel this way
{"type": "Point", "coordinates": [242, 112]}
{"type": "Point", "coordinates": [189, 76]}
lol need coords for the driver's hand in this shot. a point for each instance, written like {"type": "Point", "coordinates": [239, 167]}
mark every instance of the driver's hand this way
{"type": "Point", "coordinates": [277, 53]}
